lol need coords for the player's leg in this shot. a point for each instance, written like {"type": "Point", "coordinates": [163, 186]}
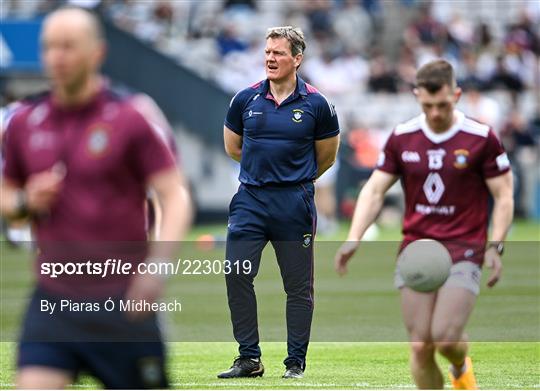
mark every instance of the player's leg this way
{"type": "Point", "coordinates": [43, 378]}
{"type": "Point", "coordinates": [292, 234]}
{"type": "Point", "coordinates": [246, 239]}
{"type": "Point", "coordinates": [241, 293]}
{"type": "Point", "coordinates": [45, 365]}
{"type": "Point", "coordinates": [126, 365]}
{"type": "Point", "coordinates": [43, 361]}
{"type": "Point", "coordinates": [417, 309]}
{"type": "Point", "coordinates": [296, 266]}
{"type": "Point", "coordinates": [325, 200]}
{"type": "Point", "coordinates": [455, 303]}
{"type": "Point", "coordinates": [452, 310]}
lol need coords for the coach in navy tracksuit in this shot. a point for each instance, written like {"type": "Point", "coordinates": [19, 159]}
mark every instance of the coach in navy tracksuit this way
{"type": "Point", "coordinates": [285, 134]}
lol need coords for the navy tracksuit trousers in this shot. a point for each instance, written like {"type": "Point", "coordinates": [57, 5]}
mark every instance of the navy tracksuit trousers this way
{"type": "Point", "coordinates": [285, 216]}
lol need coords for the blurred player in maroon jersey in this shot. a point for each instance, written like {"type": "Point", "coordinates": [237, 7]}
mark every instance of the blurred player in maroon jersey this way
{"type": "Point", "coordinates": [148, 108]}
{"type": "Point", "coordinates": [448, 165]}
{"type": "Point", "coordinates": [78, 162]}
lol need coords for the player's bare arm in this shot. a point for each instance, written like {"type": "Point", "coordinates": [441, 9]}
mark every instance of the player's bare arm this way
{"type": "Point", "coordinates": [233, 144]}
{"type": "Point", "coordinates": [154, 232]}
{"type": "Point", "coordinates": [173, 196]}
{"type": "Point", "coordinates": [170, 189]}
{"type": "Point", "coordinates": [368, 206]}
{"type": "Point", "coordinates": [37, 196]}
{"type": "Point", "coordinates": [12, 200]}
{"type": "Point", "coordinates": [326, 151]}
{"type": "Point", "coordinates": [501, 188]}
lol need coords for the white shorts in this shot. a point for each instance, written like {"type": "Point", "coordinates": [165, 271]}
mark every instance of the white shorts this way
{"type": "Point", "coordinates": [464, 274]}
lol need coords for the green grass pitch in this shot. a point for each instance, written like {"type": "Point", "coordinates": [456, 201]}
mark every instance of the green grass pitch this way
{"type": "Point", "coordinates": [357, 339]}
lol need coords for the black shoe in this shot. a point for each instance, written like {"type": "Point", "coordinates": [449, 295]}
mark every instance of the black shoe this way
{"type": "Point", "coordinates": [243, 367]}
{"type": "Point", "coordinates": [293, 371]}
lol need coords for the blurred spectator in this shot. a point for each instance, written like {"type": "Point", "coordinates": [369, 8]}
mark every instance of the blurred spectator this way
{"type": "Point", "coordinates": [526, 33]}
{"type": "Point", "coordinates": [461, 29]}
{"type": "Point", "coordinates": [382, 78]}
{"type": "Point", "coordinates": [406, 69]}
{"type": "Point", "coordinates": [486, 50]}
{"type": "Point", "coordinates": [426, 29]}
{"type": "Point", "coordinates": [353, 27]}
{"type": "Point", "coordinates": [242, 67]}
{"type": "Point", "coordinates": [467, 73]}
{"type": "Point", "coordinates": [519, 56]}
{"type": "Point", "coordinates": [20, 9]}
{"type": "Point", "coordinates": [164, 13]}
{"type": "Point", "coordinates": [318, 13]}
{"type": "Point", "coordinates": [228, 41]}
{"type": "Point", "coordinates": [240, 4]}
{"type": "Point", "coordinates": [516, 136]}
{"type": "Point", "coordinates": [138, 18]}
{"type": "Point", "coordinates": [484, 37]}
{"type": "Point", "coordinates": [342, 31]}
{"type": "Point", "coordinates": [503, 78]}
{"type": "Point", "coordinates": [479, 106]}
{"type": "Point", "coordinates": [90, 4]}
{"type": "Point", "coordinates": [534, 126]}
{"type": "Point", "coordinates": [366, 146]}
{"type": "Point", "coordinates": [334, 74]}
{"type": "Point", "coordinates": [375, 12]}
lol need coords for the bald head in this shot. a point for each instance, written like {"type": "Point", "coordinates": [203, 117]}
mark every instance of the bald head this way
{"type": "Point", "coordinates": [73, 47]}
{"type": "Point", "coordinates": [75, 19]}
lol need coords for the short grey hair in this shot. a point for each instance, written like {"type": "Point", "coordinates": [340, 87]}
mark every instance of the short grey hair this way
{"type": "Point", "coordinates": [294, 35]}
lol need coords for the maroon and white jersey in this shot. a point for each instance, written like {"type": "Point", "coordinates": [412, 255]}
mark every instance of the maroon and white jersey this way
{"type": "Point", "coordinates": [109, 152]}
{"type": "Point", "coordinates": [443, 177]}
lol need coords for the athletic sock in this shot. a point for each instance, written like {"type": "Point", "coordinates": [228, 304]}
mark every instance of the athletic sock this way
{"type": "Point", "coordinates": [457, 372]}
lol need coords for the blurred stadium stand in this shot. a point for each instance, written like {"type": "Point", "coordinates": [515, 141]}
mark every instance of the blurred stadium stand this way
{"type": "Point", "coordinates": [361, 53]}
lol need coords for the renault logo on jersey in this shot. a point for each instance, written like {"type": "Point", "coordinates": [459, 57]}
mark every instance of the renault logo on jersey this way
{"type": "Point", "coordinates": [433, 187]}
{"type": "Point", "coordinates": [435, 158]}
{"type": "Point", "coordinates": [98, 141]}
{"type": "Point", "coordinates": [461, 158]}
{"type": "Point", "coordinates": [297, 115]}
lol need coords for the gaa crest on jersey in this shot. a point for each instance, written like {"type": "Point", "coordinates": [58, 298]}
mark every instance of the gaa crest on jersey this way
{"type": "Point", "coordinates": [307, 240]}
{"type": "Point", "coordinates": [462, 156]}
{"type": "Point", "coordinates": [98, 141]}
{"type": "Point", "coordinates": [297, 115]}
{"type": "Point", "coordinates": [435, 158]}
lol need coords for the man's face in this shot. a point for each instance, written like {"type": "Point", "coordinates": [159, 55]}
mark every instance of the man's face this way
{"type": "Point", "coordinates": [439, 106]}
{"type": "Point", "coordinates": [70, 52]}
{"type": "Point", "coordinates": [280, 63]}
